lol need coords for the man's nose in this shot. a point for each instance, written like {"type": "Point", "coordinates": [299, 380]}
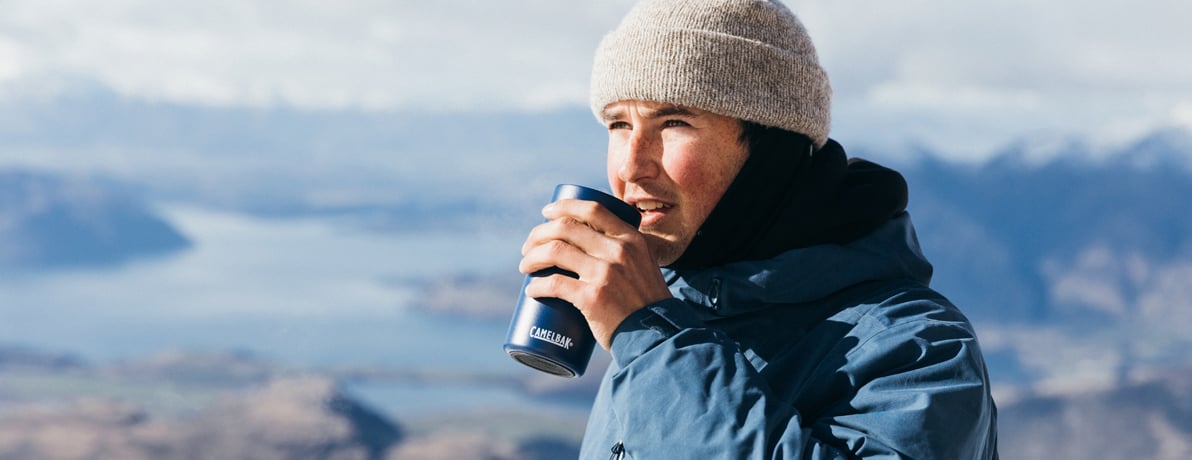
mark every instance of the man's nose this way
{"type": "Point", "coordinates": [641, 159]}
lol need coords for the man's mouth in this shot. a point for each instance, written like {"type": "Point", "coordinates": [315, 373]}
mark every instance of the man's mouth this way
{"type": "Point", "coordinates": [652, 211]}
{"type": "Point", "coordinates": [648, 206]}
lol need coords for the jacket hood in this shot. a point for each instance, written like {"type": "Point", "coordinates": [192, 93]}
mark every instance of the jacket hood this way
{"type": "Point", "coordinates": [890, 251]}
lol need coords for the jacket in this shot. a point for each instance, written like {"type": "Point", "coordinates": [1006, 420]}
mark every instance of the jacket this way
{"type": "Point", "coordinates": [829, 351]}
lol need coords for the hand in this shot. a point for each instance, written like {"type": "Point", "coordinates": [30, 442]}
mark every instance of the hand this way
{"type": "Point", "coordinates": [617, 274]}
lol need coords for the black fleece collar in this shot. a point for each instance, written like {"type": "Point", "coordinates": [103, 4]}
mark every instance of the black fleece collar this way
{"type": "Point", "coordinates": [784, 200]}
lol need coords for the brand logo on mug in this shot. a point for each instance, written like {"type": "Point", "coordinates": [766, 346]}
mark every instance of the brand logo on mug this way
{"type": "Point", "coordinates": [549, 336]}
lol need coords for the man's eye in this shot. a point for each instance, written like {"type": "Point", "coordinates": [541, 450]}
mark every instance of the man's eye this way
{"type": "Point", "coordinates": [618, 125]}
{"type": "Point", "coordinates": [674, 123]}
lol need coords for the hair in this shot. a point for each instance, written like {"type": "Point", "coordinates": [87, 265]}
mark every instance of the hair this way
{"type": "Point", "coordinates": [761, 138]}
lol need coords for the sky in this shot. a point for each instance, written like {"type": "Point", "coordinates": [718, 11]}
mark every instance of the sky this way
{"type": "Point", "coordinates": [962, 78]}
{"type": "Point", "coordinates": [966, 77]}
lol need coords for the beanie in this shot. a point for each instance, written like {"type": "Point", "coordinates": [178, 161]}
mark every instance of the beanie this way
{"type": "Point", "coordinates": [746, 59]}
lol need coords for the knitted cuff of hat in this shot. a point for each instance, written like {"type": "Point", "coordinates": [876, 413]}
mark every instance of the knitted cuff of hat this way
{"type": "Point", "coordinates": [747, 59]}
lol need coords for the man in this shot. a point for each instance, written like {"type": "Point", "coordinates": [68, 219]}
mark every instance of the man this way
{"type": "Point", "coordinates": [792, 317]}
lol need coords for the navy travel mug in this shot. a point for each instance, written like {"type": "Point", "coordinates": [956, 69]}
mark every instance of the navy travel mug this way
{"type": "Point", "coordinates": [550, 334]}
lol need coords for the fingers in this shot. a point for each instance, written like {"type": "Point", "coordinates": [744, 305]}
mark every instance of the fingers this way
{"type": "Point", "coordinates": [583, 224]}
{"type": "Point", "coordinates": [550, 286]}
{"type": "Point", "coordinates": [591, 213]}
{"type": "Point", "coordinates": [546, 252]}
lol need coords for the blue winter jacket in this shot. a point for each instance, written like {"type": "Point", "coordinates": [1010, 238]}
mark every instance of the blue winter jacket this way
{"type": "Point", "coordinates": [831, 351]}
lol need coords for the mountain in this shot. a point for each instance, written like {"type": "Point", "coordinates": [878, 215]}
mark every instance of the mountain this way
{"type": "Point", "coordinates": [191, 404]}
{"type": "Point", "coordinates": [1076, 270]}
{"type": "Point", "coordinates": [291, 418]}
{"type": "Point", "coordinates": [1074, 262]}
{"type": "Point", "coordinates": [1005, 232]}
{"type": "Point", "coordinates": [1149, 419]}
{"type": "Point", "coordinates": [285, 162]}
{"type": "Point", "coordinates": [52, 221]}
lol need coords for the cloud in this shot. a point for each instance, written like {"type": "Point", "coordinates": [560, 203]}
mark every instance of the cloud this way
{"type": "Point", "coordinates": [1048, 47]}
{"type": "Point", "coordinates": [450, 54]}
{"type": "Point", "coordinates": [11, 60]}
{"type": "Point", "coordinates": [1182, 114]}
{"type": "Point", "coordinates": [946, 72]}
{"type": "Point", "coordinates": [987, 71]}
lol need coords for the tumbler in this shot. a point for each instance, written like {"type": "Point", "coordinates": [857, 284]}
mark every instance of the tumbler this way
{"type": "Point", "coordinates": [550, 334]}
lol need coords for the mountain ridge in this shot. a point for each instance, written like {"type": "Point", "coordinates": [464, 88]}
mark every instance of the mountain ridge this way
{"type": "Point", "coordinates": [51, 221]}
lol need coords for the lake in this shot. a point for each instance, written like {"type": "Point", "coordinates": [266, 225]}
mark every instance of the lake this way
{"type": "Point", "coordinates": [315, 293]}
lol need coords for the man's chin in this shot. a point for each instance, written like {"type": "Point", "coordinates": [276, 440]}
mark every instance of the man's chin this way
{"type": "Point", "coordinates": [664, 251]}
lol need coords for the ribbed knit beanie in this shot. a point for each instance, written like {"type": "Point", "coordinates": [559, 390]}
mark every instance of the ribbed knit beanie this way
{"type": "Point", "coordinates": [746, 59]}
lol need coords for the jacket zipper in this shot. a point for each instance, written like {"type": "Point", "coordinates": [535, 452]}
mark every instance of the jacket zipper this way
{"type": "Point", "coordinates": [618, 451]}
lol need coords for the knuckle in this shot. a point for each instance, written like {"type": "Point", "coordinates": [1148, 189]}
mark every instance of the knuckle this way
{"type": "Point", "coordinates": [586, 300]}
{"type": "Point", "coordinates": [620, 252]}
{"type": "Point", "coordinates": [601, 273]}
{"type": "Point", "coordinates": [556, 246]}
{"type": "Point", "coordinates": [569, 224]}
{"type": "Point", "coordinates": [542, 287]}
{"type": "Point", "coordinates": [549, 283]}
{"type": "Point", "coordinates": [588, 207]}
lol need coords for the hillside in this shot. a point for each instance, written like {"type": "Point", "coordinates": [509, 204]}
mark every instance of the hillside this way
{"type": "Point", "coordinates": [1076, 271]}
{"type": "Point", "coordinates": [1148, 419]}
{"type": "Point", "coordinates": [176, 405]}
{"type": "Point", "coordinates": [1022, 229]}
{"type": "Point", "coordinates": [55, 221]}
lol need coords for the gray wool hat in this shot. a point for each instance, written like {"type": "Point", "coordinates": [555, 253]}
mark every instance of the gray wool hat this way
{"type": "Point", "coordinates": [747, 59]}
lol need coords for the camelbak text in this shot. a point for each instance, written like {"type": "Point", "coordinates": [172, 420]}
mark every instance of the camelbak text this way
{"type": "Point", "coordinates": [548, 335]}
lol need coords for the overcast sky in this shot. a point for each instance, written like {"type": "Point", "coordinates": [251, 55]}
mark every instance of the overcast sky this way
{"type": "Point", "coordinates": [965, 76]}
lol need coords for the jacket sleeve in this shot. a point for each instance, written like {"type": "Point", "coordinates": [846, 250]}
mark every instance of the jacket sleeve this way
{"type": "Point", "coordinates": [684, 390]}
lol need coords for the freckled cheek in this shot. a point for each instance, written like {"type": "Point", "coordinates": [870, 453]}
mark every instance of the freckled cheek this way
{"type": "Point", "coordinates": [690, 174]}
{"type": "Point", "coordinates": [702, 183]}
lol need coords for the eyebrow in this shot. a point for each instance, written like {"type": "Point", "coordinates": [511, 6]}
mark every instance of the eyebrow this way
{"type": "Point", "coordinates": [667, 110]}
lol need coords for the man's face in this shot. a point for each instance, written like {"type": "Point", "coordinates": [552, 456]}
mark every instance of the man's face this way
{"type": "Point", "coordinates": [673, 163]}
